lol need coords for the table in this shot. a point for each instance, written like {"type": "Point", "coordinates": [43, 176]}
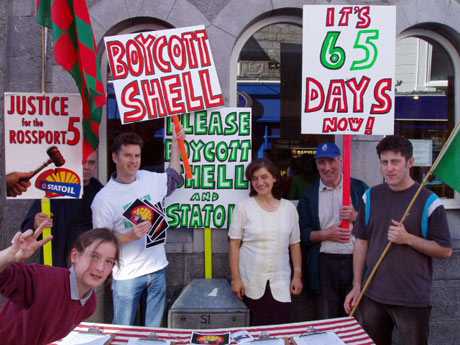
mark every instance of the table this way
{"type": "Point", "coordinates": [347, 328]}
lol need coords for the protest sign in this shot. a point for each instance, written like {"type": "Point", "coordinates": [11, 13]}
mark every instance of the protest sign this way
{"type": "Point", "coordinates": [43, 136]}
{"type": "Point", "coordinates": [348, 64]}
{"type": "Point", "coordinates": [219, 147]}
{"type": "Point", "coordinates": [162, 73]}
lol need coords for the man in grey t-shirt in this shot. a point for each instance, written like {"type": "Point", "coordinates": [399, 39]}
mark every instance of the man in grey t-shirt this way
{"type": "Point", "coordinates": [400, 293]}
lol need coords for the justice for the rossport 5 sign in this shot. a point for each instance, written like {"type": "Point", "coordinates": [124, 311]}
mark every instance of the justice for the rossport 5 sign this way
{"type": "Point", "coordinates": [348, 65]}
{"type": "Point", "coordinates": [43, 145]}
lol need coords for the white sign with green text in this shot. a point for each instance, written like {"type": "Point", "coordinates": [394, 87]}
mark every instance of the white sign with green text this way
{"type": "Point", "coordinates": [219, 148]}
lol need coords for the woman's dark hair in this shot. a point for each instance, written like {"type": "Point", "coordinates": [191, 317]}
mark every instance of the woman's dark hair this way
{"type": "Point", "coordinates": [126, 138]}
{"type": "Point", "coordinates": [396, 144]}
{"type": "Point", "coordinates": [271, 168]}
{"type": "Point", "coordinates": [103, 235]}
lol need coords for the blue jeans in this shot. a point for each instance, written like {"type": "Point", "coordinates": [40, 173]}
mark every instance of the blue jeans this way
{"type": "Point", "coordinates": [127, 294]}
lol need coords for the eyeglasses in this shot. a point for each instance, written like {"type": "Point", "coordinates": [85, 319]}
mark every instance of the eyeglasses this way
{"type": "Point", "coordinates": [96, 259]}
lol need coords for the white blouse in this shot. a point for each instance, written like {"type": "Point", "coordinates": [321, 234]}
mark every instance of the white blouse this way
{"type": "Point", "coordinates": [264, 253]}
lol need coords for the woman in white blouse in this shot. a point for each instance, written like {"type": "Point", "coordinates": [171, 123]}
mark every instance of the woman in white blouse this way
{"type": "Point", "coordinates": [264, 229]}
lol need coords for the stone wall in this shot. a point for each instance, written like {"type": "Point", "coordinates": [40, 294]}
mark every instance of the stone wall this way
{"type": "Point", "coordinates": [225, 20]}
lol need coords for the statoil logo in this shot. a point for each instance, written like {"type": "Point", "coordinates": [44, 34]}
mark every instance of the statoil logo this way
{"type": "Point", "coordinates": [59, 182]}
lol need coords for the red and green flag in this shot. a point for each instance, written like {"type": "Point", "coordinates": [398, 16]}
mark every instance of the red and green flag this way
{"type": "Point", "coordinates": [448, 168]}
{"type": "Point", "coordinates": [75, 51]}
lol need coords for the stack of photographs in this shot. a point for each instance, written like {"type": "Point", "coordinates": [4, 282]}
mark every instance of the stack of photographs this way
{"type": "Point", "coordinates": [142, 210]}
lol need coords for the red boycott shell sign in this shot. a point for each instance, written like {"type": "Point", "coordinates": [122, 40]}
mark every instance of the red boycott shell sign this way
{"type": "Point", "coordinates": [162, 73]}
{"type": "Point", "coordinates": [348, 64]}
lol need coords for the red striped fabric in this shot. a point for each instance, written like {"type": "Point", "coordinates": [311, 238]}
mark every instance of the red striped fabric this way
{"type": "Point", "coordinates": [347, 328]}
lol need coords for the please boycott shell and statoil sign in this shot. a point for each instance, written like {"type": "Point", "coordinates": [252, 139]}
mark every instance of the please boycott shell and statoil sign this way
{"type": "Point", "coordinates": [219, 147]}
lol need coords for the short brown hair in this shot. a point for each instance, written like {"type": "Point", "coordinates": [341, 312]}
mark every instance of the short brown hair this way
{"type": "Point", "coordinates": [126, 138]}
{"type": "Point", "coordinates": [103, 235]}
{"type": "Point", "coordinates": [396, 144]}
{"type": "Point", "coordinates": [271, 168]}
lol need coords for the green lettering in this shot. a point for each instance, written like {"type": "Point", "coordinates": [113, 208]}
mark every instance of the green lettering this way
{"type": "Point", "coordinates": [169, 126]}
{"type": "Point", "coordinates": [168, 149]}
{"type": "Point", "coordinates": [231, 207]}
{"type": "Point", "coordinates": [185, 212]}
{"type": "Point", "coordinates": [196, 147]}
{"type": "Point", "coordinates": [195, 197]}
{"type": "Point", "coordinates": [245, 123]}
{"type": "Point", "coordinates": [246, 147]}
{"type": "Point", "coordinates": [207, 180]}
{"type": "Point", "coordinates": [206, 196]}
{"type": "Point", "coordinates": [215, 124]}
{"type": "Point", "coordinates": [173, 214]}
{"type": "Point", "coordinates": [231, 128]}
{"type": "Point", "coordinates": [234, 146]}
{"type": "Point", "coordinates": [240, 180]}
{"type": "Point", "coordinates": [200, 123]}
{"type": "Point", "coordinates": [207, 210]}
{"type": "Point", "coordinates": [221, 151]}
{"type": "Point", "coordinates": [222, 181]}
{"type": "Point", "coordinates": [218, 216]}
{"type": "Point", "coordinates": [186, 123]}
{"type": "Point", "coordinates": [210, 152]}
{"type": "Point", "coordinates": [195, 219]}
{"type": "Point", "coordinates": [195, 181]}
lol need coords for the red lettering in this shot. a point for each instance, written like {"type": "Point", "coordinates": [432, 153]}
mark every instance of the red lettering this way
{"type": "Point", "coordinates": [191, 52]}
{"type": "Point", "coordinates": [313, 92]}
{"type": "Point", "coordinates": [345, 15]}
{"type": "Point", "coordinates": [369, 125]}
{"type": "Point", "coordinates": [194, 102]}
{"type": "Point", "coordinates": [203, 47]}
{"type": "Point", "coordinates": [172, 91]}
{"type": "Point", "coordinates": [129, 99]}
{"type": "Point", "coordinates": [158, 46]}
{"type": "Point", "coordinates": [336, 99]}
{"type": "Point", "coordinates": [146, 44]}
{"type": "Point", "coordinates": [381, 94]}
{"type": "Point", "coordinates": [115, 52]}
{"type": "Point", "coordinates": [364, 19]}
{"type": "Point", "coordinates": [154, 98]}
{"type": "Point", "coordinates": [210, 99]}
{"type": "Point", "coordinates": [330, 16]}
{"type": "Point", "coordinates": [177, 52]}
{"type": "Point", "coordinates": [135, 58]}
{"type": "Point", "coordinates": [358, 90]}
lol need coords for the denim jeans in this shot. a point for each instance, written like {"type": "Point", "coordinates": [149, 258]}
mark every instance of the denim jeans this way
{"type": "Point", "coordinates": [127, 294]}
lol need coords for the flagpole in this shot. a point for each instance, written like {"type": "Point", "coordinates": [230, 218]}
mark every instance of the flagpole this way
{"type": "Point", "coordinates": [45, 202]}
{"type": "Point", "coordinates": [441, 154]}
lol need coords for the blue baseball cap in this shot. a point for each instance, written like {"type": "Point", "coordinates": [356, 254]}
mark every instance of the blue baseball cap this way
{"type": "Point", "coordinates": [327, 150]}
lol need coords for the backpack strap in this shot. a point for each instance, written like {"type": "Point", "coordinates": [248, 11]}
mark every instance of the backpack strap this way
{"type": "Point", "coordinates": [367, 208]}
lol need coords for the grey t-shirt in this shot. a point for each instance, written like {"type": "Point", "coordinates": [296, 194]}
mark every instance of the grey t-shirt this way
{"type": "Point", "coordinates": [405, 275]}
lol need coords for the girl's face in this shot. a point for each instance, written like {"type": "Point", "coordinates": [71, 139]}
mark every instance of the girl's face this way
{"type": "Point", "coordinates": [262, 182]}
{"type": "Point", "coordinates": [94, 265]}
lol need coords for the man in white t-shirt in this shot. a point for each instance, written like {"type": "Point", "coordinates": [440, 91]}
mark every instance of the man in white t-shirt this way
{"type": "Point", "coordinates": [141, 269]}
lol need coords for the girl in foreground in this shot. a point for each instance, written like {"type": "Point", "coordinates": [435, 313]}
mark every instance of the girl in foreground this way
{"type": "Point", "coordinates": [45, 303]}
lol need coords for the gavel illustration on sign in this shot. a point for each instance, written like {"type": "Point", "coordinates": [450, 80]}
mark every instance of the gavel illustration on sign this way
{"type": "Point", "coordinates": [55, 157]}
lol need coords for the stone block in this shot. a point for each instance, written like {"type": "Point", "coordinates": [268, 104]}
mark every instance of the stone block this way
{"type": "Point", "coordinates": [446, 300]}
{"type": "Point", "coordinates": [183, 14]}
{"type": "Point", "coordinates": [24, 37]}
{"type": "Point", "coordinates": [233, 19]}
{"type": "Point", "coordinates": [22, 8]}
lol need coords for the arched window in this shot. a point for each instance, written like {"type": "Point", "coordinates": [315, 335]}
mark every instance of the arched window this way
{"type": "Point", "coordinates": [152, 132]}
{"type": "Point", "coordinates": [427, 100]}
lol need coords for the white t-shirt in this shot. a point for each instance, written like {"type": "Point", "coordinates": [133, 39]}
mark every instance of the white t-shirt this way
{"type": "Point", "coordinates": [264, 253]}
{"type": "Point", "coordinates": [108, 207]}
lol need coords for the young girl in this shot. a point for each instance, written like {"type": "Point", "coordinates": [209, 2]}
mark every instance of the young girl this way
{"type": "Point", "coordinates": [45, 303]}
